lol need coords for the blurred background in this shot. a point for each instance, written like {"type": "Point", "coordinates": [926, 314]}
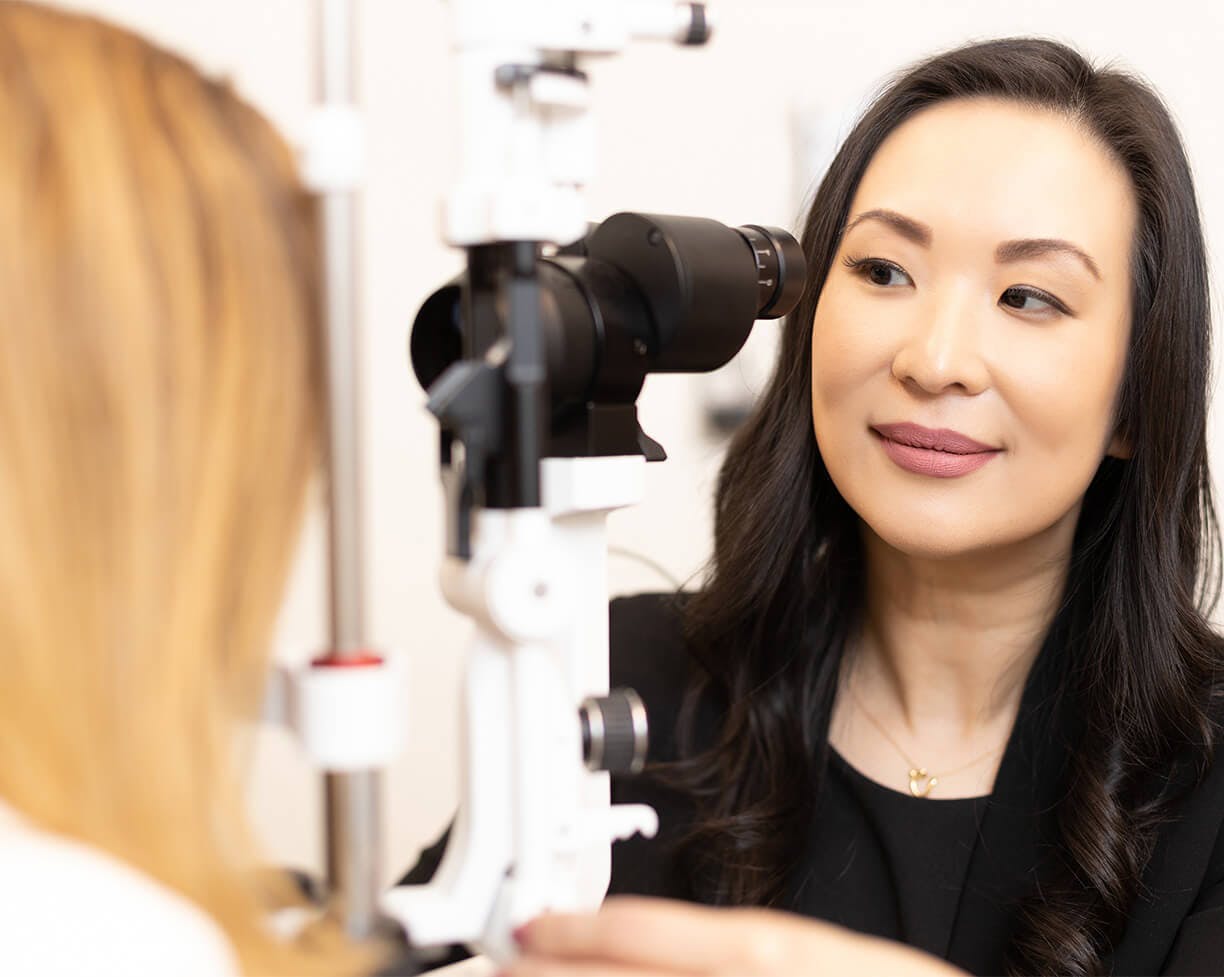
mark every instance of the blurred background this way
{"type": "Point", "coordinates": [738, 131]}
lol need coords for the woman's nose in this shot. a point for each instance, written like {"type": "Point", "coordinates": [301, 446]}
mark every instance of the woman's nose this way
{"type": "Point", "coordinates": [942, 348]}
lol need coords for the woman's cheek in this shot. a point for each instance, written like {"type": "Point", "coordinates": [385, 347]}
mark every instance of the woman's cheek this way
{"type": "Point", "coordinates": [847, 352]}
{"type": "Point", "coordinates": [1062, 403]}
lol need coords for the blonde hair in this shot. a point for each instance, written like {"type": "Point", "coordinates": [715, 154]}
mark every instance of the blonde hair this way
{"type": "Point", "coordinates": [160, 384]}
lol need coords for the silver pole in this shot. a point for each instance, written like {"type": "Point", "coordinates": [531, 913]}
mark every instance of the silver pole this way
{"type": "Point", "coordinates": [352, 800]}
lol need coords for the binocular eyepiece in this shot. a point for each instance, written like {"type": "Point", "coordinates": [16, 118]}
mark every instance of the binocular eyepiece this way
{"type": "Point", "coordinates": [641, 293]}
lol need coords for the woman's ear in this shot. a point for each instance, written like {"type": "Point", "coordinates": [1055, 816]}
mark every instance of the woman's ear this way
{"type": "Point", "coordinates": [1120, 446]}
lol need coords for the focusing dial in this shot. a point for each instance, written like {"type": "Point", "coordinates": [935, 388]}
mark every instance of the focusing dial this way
{"type": "Point", "coordinates": [614, 732]}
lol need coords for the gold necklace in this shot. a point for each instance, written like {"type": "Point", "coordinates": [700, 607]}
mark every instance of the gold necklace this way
{"type": "Point", "coordinates": [917, 774]}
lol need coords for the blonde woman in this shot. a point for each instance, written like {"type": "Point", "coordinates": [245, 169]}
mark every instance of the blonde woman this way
{"type": "Point", "coordinates": [159, 424]}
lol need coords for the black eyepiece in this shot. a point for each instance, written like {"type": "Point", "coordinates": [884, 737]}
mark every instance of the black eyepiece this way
{"type": "Point", "coordinates": [640, 294]}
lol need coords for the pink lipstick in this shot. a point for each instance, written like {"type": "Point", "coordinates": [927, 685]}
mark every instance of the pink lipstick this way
{"type": "Point", "coordinates": [938, 453]}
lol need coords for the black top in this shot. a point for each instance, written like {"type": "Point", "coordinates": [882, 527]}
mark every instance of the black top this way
{"type": "Point", "coordinates": [941, 875]}
{"type": "Point", "coordinates": [868, 832]}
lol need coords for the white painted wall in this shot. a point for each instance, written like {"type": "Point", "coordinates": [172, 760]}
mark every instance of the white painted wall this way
{"type": "Point", "coordinates": [704, 132]}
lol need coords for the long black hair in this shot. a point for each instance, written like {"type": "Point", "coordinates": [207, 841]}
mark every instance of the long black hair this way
{"type": "Point", "coordinates": [786, 578]}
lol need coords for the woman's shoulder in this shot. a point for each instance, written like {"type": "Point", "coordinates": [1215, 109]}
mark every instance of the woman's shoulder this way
{"type": "Point", "coordinates": [646, 637]}
{"type": "Point", "coordinates": [68, 907]}
{"type": "Point", "coordinates": [648, 653]}
{"type": "Point", "coordinates": [1199, 764]}
{"type": "Point", "coordinates": [1195, 826]}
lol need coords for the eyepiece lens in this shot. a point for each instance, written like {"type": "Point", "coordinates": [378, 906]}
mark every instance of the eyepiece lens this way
{"type": "Point", "coordinates": [781, 269]}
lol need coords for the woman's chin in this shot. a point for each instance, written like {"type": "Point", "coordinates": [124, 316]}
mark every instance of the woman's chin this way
{"type": "Point", "coordinates": [929, 537]}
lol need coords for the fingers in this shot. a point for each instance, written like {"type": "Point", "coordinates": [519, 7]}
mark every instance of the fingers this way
{"type": "Point", "coordinates": [674, 938]}
{"type": "Point", "coordinates": [533, 966]}
{"type": "Point", "coordinates": [632, 931]}
{"type": "Point", "coordinates": [638, 936]}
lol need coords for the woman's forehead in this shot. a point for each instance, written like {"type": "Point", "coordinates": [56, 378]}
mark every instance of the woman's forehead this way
{"type": "Point", "coordinates": [990, 170]}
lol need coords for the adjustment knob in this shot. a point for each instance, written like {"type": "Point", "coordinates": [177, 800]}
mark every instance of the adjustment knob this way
{"type": "Point", "coordinates": [614, 732]}
{"type": "Point", "coordinates": [695, 26]}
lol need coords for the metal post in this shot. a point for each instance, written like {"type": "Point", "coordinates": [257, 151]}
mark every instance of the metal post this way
{"type": "Point", "coordinates": [352, 800]}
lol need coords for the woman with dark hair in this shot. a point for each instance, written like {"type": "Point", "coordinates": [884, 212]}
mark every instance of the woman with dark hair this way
{"type": "Point", "coordinates": [950, 686]}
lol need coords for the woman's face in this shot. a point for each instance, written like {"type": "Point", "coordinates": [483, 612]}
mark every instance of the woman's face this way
{"type": "Point", "coordinates": [983, 328]}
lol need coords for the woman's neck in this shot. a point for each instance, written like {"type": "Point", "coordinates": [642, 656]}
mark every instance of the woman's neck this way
{"type": "Point", "coordinates": [947, 643]}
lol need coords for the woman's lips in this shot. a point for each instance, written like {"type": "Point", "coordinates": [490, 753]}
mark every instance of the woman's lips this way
{"type": "Point", "coordinates": [939, 454]}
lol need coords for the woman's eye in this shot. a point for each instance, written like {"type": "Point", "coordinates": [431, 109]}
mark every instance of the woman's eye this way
{"type": "Point", "coordinates": [1017, 295]}
{"type": "Point", "coordinates": [874, 270]}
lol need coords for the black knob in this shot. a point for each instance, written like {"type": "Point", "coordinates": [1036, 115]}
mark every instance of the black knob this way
{"type": "Point", "coordinates": [615, 736]}
{"type": "Point", "coordinates": [699, 27]}
{"type": "Point", "coordinates": [781, 269]}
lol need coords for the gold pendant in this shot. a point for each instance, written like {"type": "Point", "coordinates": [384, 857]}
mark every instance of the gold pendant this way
{"type": "Point", "coordinates": [918, 789]}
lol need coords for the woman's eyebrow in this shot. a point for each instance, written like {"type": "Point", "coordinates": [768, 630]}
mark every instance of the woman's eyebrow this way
{"type": "Point", "coordinates": [1037, 247]}
{"type": "Point", "coordinates": [907, 227]}
{"type": "Point", "coordinates": [1005, 253]}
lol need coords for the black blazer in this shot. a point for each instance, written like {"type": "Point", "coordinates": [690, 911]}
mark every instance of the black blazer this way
{"type": "Point", "coordinates": [1176, 926]}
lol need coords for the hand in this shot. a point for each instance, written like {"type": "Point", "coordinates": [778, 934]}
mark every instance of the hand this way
{"type": "Point", "coordinates": [638, 936]}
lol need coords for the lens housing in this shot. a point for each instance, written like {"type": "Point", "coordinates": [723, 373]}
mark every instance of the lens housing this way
{"type": "Point", "coordinates": [640, 294]}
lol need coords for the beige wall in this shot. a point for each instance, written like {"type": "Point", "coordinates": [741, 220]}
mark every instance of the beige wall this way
{"type": "Point", "coordinates": [707, 132]}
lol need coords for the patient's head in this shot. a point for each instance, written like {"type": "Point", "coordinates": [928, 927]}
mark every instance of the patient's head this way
{"type": "Point", "coordinates": [160, 374]}
{"type": "Point", "coordinates": [972, 313]}
{"type": "Point", "coordinates": [982, 285]}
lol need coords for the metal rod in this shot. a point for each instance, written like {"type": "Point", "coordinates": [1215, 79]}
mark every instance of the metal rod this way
{"type": "Point", "coordinates": [345, 549]}
{"type": "Point", "coordinates": [352, 801]}
{"type": "Point", "coordinates": [352, 807]}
